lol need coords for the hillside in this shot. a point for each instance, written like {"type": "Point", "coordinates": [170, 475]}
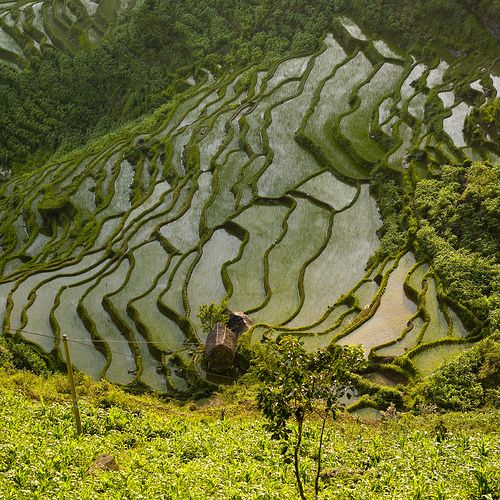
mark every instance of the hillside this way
{"type": "Point", "coordinates": [330, 168]}
{"type": "Point", "coordinates": [333, 180]}
{"type": "Point", "coordinates": [79, 69]}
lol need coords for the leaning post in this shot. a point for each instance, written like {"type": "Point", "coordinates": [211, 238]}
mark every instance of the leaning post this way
{"type": "Point", "coordinates": [72, 385]}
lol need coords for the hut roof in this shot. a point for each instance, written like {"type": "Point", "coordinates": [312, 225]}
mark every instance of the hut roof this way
{"type": "Point", "coordinates": [239, 322]}
{"type": "Point", "coordinates": [220, 348]}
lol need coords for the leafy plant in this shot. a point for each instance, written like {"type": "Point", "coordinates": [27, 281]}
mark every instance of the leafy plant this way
{"type": "Point", "coordinates": [441, 432]}
{"type": "Point", "coordinates": [295, 385]}
{"type": "Point", "coordinates": [5, 354]}
{"type": "Point", "coordinates": [18, 354]}
{"type": "Point", "coordinates": [167, 449]}
{"type": "Point", "coordinates": [462, 384]}
{"type": "Point", "coordinates": [484, 488]}
{"type": "Point", "coordinates": [211, 314]}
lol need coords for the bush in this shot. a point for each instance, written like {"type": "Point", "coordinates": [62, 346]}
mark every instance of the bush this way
{"type": "Point", "coordinates": [211, 314]}
{"type": "Point", "coordinates": [22, 356]}
{"type": "Point", "coordinates": [455, 387]}
{"type": "Point", "coordinates": [467, 382]}
{"type": "Point", "coordinates": [5, 354]}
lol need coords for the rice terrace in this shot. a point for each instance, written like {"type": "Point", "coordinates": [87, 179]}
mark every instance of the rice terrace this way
{"type": "Point", "coordinates": [323, 170]}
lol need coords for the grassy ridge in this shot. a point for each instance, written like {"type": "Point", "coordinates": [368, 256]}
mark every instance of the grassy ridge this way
{"type": "Point", "coordinates": [217, 448]}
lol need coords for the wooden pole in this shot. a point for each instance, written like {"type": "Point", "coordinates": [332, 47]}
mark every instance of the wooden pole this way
{"type": "Point", "coordinates": [72, 385]}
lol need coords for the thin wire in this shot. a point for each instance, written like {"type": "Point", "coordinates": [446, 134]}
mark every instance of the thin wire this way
{"type": "Point", "coordinates": [140, 341]}
{"type": "Point", "coordinates": [89, 343]}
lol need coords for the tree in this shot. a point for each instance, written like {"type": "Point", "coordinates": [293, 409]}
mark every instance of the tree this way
{"type": "Point", "coordinates": [296, 385]}
{"type": "Point", "coordinates": [211, 314]}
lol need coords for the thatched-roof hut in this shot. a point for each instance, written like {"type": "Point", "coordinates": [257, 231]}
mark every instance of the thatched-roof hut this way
{"type": "Point", "coordinates": [220, 349]}
{"type": "Point", "coordinates": [239, 322]}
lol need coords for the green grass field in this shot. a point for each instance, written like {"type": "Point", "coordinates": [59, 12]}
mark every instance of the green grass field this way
{"type": "Point", "coordinates": [217, 448]}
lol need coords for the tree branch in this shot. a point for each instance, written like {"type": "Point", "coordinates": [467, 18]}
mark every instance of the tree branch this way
{"type": "Point", "coordinates": [296, 459]}
{"type": "Point", "coordinates": [320, 447]}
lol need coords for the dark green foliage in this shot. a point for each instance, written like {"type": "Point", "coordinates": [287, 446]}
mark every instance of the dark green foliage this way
{"type": "Point", "coordinates": [441, 432]}
{"type": "Point", "coordinates": [455, 24]}
{"type": "Point", "coordinates": [466, 382]}
{"type": "Point", "coordinates": [211, 314]}
{"type": "Point", "coordinates": [5, 354]}
{"type": "Point", "coordinates": [459, 219]}
{"type": "Point", "coordinates": [455, 387]}
{"type": "Point", "coordinates": [15, 353]}
{"type": "Point", "coordinates": [63, 100]}
{"type": "Point", "coordinates": [389, 193]}
{"type": "Point", "coordinates": [483, 124]}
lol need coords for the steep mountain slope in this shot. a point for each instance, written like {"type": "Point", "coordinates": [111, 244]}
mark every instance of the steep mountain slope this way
{"type": "Point", "coordinates": [260, 186]}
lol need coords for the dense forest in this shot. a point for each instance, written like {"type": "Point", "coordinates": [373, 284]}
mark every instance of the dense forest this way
{"type": "Point", "coordinates": [63, 99]}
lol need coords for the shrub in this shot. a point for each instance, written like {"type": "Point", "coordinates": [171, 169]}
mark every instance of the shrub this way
{"type": "Point", "coordinates": [5, 354]}
{"type": "Point", "coordinates": [211, 314]}
{"type": "Point", "coordinates": [26, 357]}
{"type": "Point", "coordinates": [467, 382]}
{"type": "Point", "coordinates": [295, 385]}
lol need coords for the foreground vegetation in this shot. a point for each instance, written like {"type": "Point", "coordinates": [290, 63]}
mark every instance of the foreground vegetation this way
{"type": "Point", "coordinates": [218, 448]}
